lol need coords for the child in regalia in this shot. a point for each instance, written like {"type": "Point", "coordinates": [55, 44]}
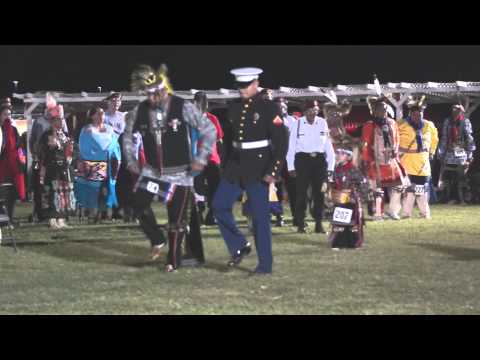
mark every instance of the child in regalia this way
{"type": "Point", "coordinates": [348, 189]}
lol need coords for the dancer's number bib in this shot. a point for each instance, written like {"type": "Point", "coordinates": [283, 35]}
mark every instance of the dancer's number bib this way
{"type": "Point", "coordinates": [342, 215]}
{"type": "Point", "coordinates": [419, 189]}
{"type": "Point", "coordinates": [459, 153]}
{"type": "Point", "coordinates": [152, 187]}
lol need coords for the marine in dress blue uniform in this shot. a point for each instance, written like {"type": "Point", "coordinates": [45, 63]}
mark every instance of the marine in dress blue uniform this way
{"type": "Point", "coordinates": [259, 148]}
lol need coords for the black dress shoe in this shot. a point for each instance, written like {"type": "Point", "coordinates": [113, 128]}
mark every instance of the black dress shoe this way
{"type": "Point", "coordinates": [302, 229]}
{"type": "Point", "coordinates": [280, 221]}
{"type": "Point", "coordinates": [319, 228]}
{"type": "Point", "coordinates": [210, 220]}
{"type": "Point", "coordinates": [117, 216]}
{"type": "Point", "coordinates": [238, 257]}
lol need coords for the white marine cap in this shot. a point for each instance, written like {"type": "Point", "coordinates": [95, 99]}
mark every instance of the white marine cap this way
{"type": "Point", "coordinates": [246, 75]}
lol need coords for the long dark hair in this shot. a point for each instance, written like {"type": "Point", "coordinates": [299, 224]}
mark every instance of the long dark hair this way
{"type": "Point", "coordinates": [82, 121]}
{"type": "Point", "coordinates": [93, 110]}
{"type": "Point", "coordinates": [201, 99]}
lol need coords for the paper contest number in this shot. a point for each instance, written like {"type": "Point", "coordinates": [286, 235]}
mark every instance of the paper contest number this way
{"type": "Point", "coordinates": [152, 187]}
{"type": "Point", "coordinates": [342, 215]}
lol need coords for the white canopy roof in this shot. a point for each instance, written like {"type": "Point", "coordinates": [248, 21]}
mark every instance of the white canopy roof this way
{"type": "Point", "coordinates": [440, 92]}
{"type": "Point", "coordinates": [437, 93]}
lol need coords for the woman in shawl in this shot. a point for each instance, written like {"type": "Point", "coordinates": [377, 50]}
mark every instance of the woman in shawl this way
{"type": "Point", "coordinates": [98, 165]}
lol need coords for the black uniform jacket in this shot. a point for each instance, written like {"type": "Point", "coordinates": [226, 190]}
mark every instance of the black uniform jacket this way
{"type": "Point", "coordinates": [255, 119]}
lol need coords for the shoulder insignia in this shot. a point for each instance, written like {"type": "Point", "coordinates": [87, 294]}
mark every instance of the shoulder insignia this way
{"type": "Point", "coordinates": [277, 121]}
{"type": "Point", "coordinates": [256, 116]}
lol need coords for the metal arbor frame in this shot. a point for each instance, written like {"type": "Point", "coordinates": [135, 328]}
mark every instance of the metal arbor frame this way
{"type": "Point", "coordinates": [439, 93]}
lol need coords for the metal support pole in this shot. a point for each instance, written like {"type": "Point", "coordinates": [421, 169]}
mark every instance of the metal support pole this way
{"type": "Point", "coordinates": [471, 108]}
{"type": "Point", "coordinates": [28, 115]}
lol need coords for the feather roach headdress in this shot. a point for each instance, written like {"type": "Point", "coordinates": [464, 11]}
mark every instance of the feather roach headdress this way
{"type": "Point", "coordinates": [145, 79]}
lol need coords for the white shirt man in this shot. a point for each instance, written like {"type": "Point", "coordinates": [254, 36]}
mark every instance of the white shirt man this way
{"type": "Point", "coordinates": [310, 138]}
{"type": "Point", "coordinates": [310, 158]}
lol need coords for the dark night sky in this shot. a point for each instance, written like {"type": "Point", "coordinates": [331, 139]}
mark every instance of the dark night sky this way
{"type": "Point", "coordinates": [83, 68]}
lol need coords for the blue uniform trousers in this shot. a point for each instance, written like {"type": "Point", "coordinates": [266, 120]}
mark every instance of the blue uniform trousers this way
{"type": "Point", "coordinates": [225, 197]}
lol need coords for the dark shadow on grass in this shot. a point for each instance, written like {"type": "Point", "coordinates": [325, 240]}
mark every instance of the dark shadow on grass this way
{"type": "Point", "coordinates": [223, 268]}
{"type": "Point", "coordinates": [455, 252]}
{"type": "Point", "coordinates": [240, 268]}
{"type": "Point", "coordinates": [65, 240]}
{"type": "Point", "coordinates": [26, 244]}
{"type": "Point", "coordinates": [94, 251]}
{"type": "Point", "coordinates": [143, 264]}
{"type": "Point", "coordinates": [306, 252]}
{"type": "Point", "coordinates": [293, 232]}
{"type": "Point", "coordinates": [54, 239]}
{"type": "Point", "coordinates": [109, 227]}
{"type": "Point", "coordinates": [299, 239]}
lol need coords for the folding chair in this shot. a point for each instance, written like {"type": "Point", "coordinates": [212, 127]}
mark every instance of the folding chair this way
{"type": "Point", "coordinates": [5, 221]}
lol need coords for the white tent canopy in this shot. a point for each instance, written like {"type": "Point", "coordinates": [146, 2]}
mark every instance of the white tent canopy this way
{"type": "Point", "coordinates": [436, 92]}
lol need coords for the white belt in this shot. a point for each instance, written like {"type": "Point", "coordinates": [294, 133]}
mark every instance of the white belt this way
{"type": "Point", "coordinates": [251, 144]}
